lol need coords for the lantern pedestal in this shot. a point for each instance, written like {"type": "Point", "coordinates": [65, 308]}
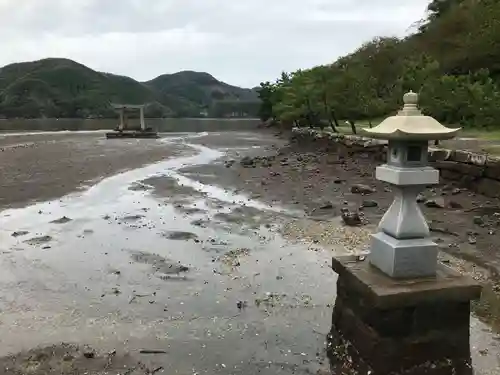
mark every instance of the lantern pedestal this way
{"type": "Point", "coordinates": [404, 258]}
{"type": "Point", "coordinates": [402, 248]}
{"type": "Point", "coordinates": [411, 327]}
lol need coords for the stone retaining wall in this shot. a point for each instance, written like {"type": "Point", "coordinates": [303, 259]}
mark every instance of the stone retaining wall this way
{"type": "Point", "coordinates": [478, 172]}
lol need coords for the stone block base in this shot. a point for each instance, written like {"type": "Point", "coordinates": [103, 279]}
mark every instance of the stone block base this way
{"type": "Point", "coordinates": [403, 258]}
{"type": "Point", "coordinates": [403, 327]}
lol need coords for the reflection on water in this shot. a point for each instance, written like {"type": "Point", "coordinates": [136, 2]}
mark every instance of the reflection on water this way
{"type": "Point", "coordinates": [162, 125]}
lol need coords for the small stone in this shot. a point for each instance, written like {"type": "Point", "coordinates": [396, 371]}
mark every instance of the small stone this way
{"type": "Point", "coordinates": [421, 198]}
{"type": "Point", "coordinates": [369, 203]}
{"type": "Point", "coordinates": [454, 204]}
{"type": "Point", "coordinates": [19, 233]}
{"type": "Point", "coordinates": [350, 218]}
{"type": "Point", "coordinates": [61, 220]}
{"type": "Point", "coordinates": [456, 191]}
{"type": "Point", "coordinates": [198, 223]}
{"type": "Point", "coordinates": [362, 189]}
{"type": "Point", "coordinates": [436, 203]}
{"type": "Point", "coordinates": [478, 220]}
{"type": "Point", "coordinates": [483, 351]}
{"type": "Point", "coordinates": [229, 163]}
{"type": "Point", "coordinates": [38, 240]}
{"type": "Point", "coordinates": [338, 181]}
{"type": "Point", "coordinates": [179, 235]}
{"type": "Point", "coordinates": [326, 206]}
{"type": "Point", "coordinates": [89, 353]}
{"type": "Point", "coordinates": [472, 240]}
{"type": "Point", "coordinates": [247, 161]}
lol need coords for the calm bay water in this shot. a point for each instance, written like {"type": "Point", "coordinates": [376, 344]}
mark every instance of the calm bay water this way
{"type": "Point", "coordinates": [161, 125]}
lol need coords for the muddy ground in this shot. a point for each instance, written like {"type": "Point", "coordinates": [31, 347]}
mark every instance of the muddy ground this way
{"type": "Point", "coordinates": [46, 166]}
{"type": "Point", "coordinates": [322, 183]}
{"type": "Point", "coordinates": [194, 264]}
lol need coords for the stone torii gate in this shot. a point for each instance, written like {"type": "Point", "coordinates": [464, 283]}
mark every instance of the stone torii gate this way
{"type": "Point", "coordinates": [124, 130]}
{"type": "Point", "coordinates": [122, 109]}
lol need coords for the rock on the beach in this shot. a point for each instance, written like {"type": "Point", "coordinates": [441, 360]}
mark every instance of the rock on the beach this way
{"type": "Point", "coordinates": [455, 204]}
{"type": "Point", "coordinates": [369, 203]}
{"type": "Point", "coordinates": [436, 203]}
{"type": "Point", "coordinates": [247, 161]}
{"type": "Point", "coordinates": [478, 220]}
{"type": "Point", "coordinates": [38, 240]}
{"type": "Point", "coordinates": [326, 206]}
{"type": "Point", "coordinates": [229, 163]}
{"type": "Point", "coordinates": [61, 220]}
{"type": "Point", "coordinates": [179, 235]}
{"type": "Point", "coordinates": [362, 189]}
{"type": "Point", "coordinates": [350, 218]}
{"type": "Point", "coordinates": [19, 233]}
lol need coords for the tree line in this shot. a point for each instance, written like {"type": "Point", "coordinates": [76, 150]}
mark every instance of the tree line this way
{"type": "Point", "coordinates": [452, 60]}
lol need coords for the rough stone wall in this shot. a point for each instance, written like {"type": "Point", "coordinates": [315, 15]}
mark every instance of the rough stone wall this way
{"type": "Point", "coordinates": [478, 172]}
{"type": "Point", "coordinates": [429, 338]}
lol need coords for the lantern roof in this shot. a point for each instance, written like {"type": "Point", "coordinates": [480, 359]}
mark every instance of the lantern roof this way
{"type": "Point", "coordinates": [410, 124]}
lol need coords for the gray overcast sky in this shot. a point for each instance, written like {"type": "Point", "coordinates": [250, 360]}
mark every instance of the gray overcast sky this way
{"type": "Point", "coordinates": [241, 42]}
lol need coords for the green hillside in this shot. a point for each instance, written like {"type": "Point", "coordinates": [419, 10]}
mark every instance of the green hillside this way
{"type": "Point", "coordinates": [452, 60]}
{"type": "Point", "coordinates": [64, 88]}
{"type": "Point", "coordinates": [201, 90]}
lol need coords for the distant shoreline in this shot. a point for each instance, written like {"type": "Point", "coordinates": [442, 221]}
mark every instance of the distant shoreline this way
{"type": "Point", "coordinates": [159, 124]}
{"type": "Point", "coordinates": [147, 118]}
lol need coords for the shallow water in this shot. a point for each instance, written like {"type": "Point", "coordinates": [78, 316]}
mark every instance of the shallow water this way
{"type": "Point", "coordinates": [161, 125]}
{"type": "Point", "coordinates": [107, 276]}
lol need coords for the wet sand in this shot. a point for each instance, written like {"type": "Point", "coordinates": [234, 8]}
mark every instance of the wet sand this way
{"type": "Point", "coordinates": [180, 266]}
{"type": "Point", "coordinates": [39, 167]}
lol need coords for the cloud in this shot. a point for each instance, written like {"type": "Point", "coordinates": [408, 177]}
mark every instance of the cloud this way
{"type": "Point", "coordinates": [240, 42]}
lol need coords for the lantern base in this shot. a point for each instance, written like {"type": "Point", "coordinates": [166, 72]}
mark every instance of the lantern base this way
{"type": "Point", "coordinates": [384, 326]}
{"type": "Point", "coordinates": [409, 258]}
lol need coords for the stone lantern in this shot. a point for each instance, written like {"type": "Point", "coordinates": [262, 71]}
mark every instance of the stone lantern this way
{"type": "Point", "coordinates": [402, 248]}
{"type": "Point", "coordinates": [399, 311]}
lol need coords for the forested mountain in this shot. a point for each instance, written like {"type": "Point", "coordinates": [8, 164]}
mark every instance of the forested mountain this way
{"type": "Point", "coordinates": [452, 60]}
{"type": "Point", "coordinates": [64, 88]}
